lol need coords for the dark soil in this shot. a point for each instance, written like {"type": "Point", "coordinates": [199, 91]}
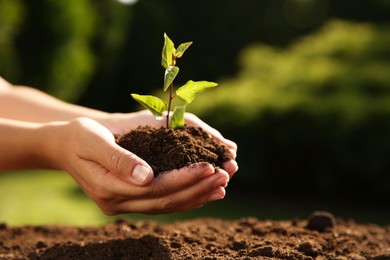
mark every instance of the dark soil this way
{"type": "Point", "coordinates": [321, 236]}
{"type": "Point", "coordinates": [166, 149]}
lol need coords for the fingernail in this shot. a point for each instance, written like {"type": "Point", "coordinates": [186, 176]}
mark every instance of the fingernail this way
{"type": "Point", "coordinates": [221, 182]}
{"type": "Point", "coordinates": [233, 153]}
{"type": "Point", "coordinates": [235, 165]}
{"type": "Point", "coordinates": [141, 172]}
{"type": "Point", "coordinates": [216, 196]}
{"type": "Point", "coordinates": [206, 169]}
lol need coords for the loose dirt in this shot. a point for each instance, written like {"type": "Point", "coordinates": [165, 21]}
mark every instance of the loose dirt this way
{"type": "Point", "coordinates": [166, 149]}
{"type": "Point", "coordinates": [321, 236]}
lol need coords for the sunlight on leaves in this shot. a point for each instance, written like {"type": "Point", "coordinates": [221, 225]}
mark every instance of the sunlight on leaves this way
{"type": "Point", "coordinates": [188, 91]}
{"type": "Point", "coordinates": [169, 76]}
{"type": "Point", "coordinates": [182, 48]}
{"type": "Point", "coordinates": [177, 119]}
{"type": "Point", "coordinates": [154, 104]}
{"type": "Point", "coordinates": [185, 93]}
{"type": "Point", "coordinates": [167, 52]}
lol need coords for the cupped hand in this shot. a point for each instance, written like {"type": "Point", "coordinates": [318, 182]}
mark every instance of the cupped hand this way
{"type": "Point", "coordinates": [120, 182]}
{"type": "Point", "coordinates": [230, 166]}
{"type": "Point", "coordinates": [121, 123]}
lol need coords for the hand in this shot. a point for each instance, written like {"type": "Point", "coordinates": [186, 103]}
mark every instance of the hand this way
{"type": "Point", "coordinates": [108, 173]}
{"type": "Point", "coordinates": [122, 123]}
{"type": "Point", "coordinates": [230, 166]}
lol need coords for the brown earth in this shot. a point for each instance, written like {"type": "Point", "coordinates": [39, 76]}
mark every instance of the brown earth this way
{"type": "Point", "coordinates": [321, 236]}
{"type": "Point", "coordinates": [165, 149]}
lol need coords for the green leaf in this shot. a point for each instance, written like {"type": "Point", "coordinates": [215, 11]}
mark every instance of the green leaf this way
{"type": "Point", "coordinates": [188, 92]}
{"type": "Point", "coordinates": [170, 74]}
{"type": "Point", "coordinates": [177, 119]}
{"type": "Point", "coordinates": [167, 52]}
{"type": "Point", "coordinates": [182, 48]}
{"type": "Point", "coordinates": [154, 104]}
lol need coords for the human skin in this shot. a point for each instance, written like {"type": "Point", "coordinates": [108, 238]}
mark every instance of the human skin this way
{"type": "Point", "coordinates": [38, 131]}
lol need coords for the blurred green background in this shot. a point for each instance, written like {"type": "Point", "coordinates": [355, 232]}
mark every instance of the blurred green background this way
{"type": "Point", "coordinates": [304, 91]}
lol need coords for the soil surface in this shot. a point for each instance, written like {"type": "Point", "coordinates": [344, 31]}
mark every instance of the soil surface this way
{"type": "Point", "coordinates": [165, 149]}
{"type": "Point", "coordinates": [320, 236]}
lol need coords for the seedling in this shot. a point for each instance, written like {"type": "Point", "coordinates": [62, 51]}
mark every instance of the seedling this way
{"type": "Point", "coordinates": [185, 93]}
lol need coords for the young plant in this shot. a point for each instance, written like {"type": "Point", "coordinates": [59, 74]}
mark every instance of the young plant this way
{"type": "Point", "coordinates": [185, 93]}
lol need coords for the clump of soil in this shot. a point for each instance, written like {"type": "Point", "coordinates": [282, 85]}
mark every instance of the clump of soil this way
{"type": "Point", "coordinates": [246, 238]}
{"type": "Point", "coordinates": [321, 221]}
{"type": "Point", "coordinates": [166, 149]}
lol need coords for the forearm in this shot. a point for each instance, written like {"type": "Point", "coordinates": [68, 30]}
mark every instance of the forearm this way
{"type": "Point", "coordinates": [29, 104]}
{"type": "Point", "coordinates": [25, 145]}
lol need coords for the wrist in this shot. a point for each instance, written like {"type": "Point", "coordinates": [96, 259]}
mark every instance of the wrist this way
{"type": "Point", "coordinates": [25, 145]}
{"type": "Point", "coordinates": [48, 145]}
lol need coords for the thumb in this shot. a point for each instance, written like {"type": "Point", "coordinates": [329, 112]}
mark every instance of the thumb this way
{"type": "Point", "coordinates": [128, 166]}
{"type": "Point", "coordinates": [119, 161]}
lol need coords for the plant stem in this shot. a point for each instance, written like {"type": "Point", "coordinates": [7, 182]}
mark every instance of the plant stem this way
{"type": "Point", "coordinates": [169, 102]}
{"type": "Point", "coordinates": [170, 92]}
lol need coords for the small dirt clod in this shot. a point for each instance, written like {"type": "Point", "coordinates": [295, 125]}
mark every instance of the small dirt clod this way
{"type": "Point", "coordinates": [320, 221]}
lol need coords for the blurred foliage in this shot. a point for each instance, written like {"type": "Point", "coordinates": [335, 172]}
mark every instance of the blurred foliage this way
{"type": "Point", "coordinates": [55, 45]}
{"type": "Point", "coordinates": [313, 117]}
{"type": "Point", "coordinates": [101, 49]}
{"type": "Point", "coordinates": [11, 18]}
{"type": "Point", "coordinates": [219, 29]}
{"type": "Point", "coordinates": [316, 110]}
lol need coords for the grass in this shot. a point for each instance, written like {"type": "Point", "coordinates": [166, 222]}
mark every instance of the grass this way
{"type": "Point", "coordinates": [50, 197]}
{"type": "Point", "coordinates": [44, 197]}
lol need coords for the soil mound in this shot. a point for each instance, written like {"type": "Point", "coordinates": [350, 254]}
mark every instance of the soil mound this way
{"type": "Point", "coordinates": [246, 238]}
{"type": "Point", "coordinates": [165, 149]}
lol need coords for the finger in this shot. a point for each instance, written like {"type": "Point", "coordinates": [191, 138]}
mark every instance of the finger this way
{"type": "Point", "coordinates": [172, 181]}
{"type": "Point", "coordinates": [230, 167]}
{"type": "Point", "coordinates": [109, 196]}
{"type": "Point", "coordinates": [94, 180]}
{"type": "Point", "coordinates": [163, 185]}
{"type": "Point", "coordinates": [128, 166]}
{"type": "Point", "coordinates": [233, 153]}
{"type": "Point", "coordinates": [193, 196]}
{"type": "Point", "coordinates": [195, 121]}
{"type": "Point", "coordinates": [217, 194]}
{"type": "Point", "coordinates": [119, 161]}
{"type": "Point", "coordinates": [210, 189]}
